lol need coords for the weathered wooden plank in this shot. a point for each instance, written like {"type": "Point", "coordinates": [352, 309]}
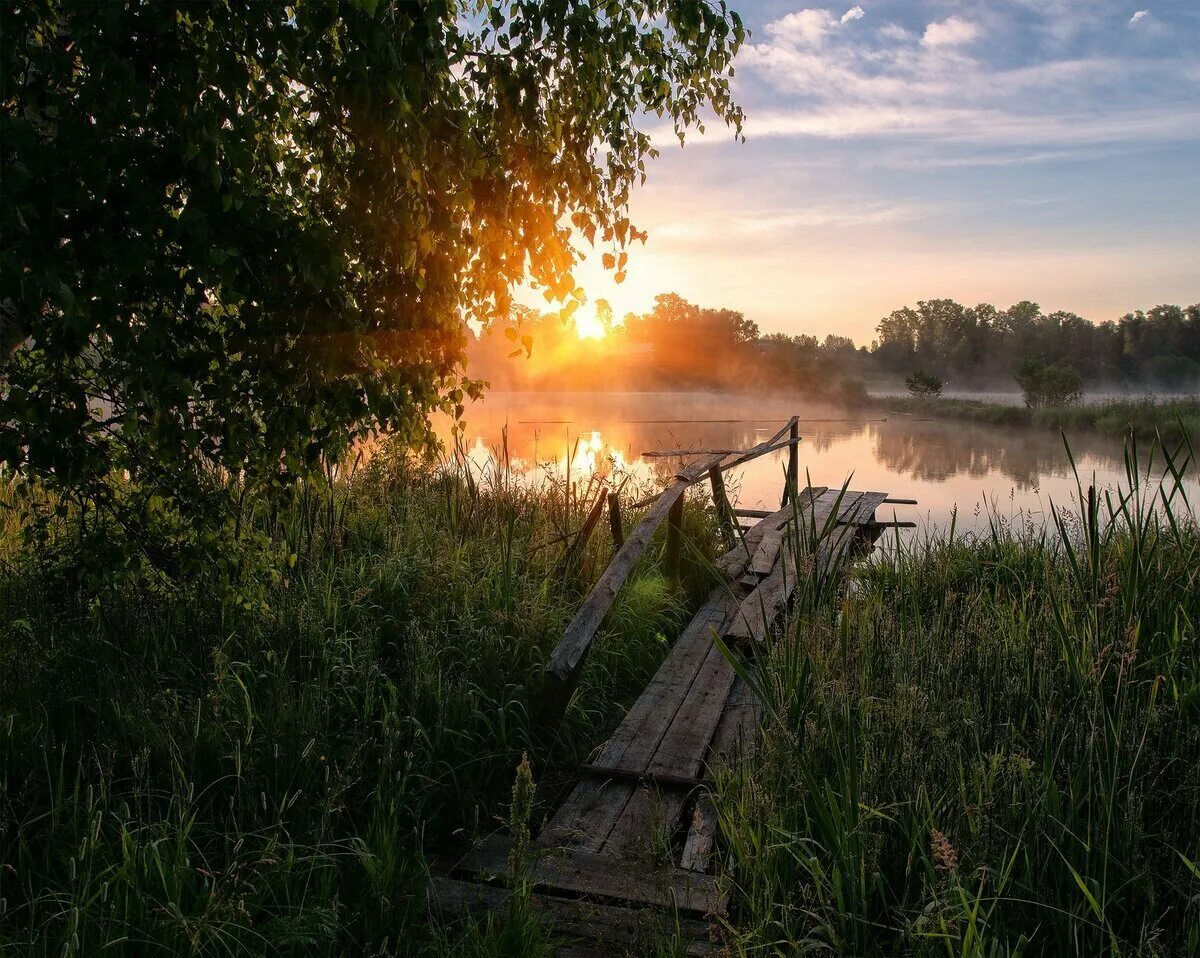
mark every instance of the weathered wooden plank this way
{"type": "Point", "coordinates": [734, 563]}
{"type": "Point", "coordinates": [759, 610]}
{"type": "Point", "coordinates": [633, 930]}
{"type": "Point", "coordinates": [638, 735]}
{"type": "Point", "coordinates": [587, 873]}
{"type": "Point", "coordinates": [864, 509]}
{"type": "Point", "coordinates": [701, 836]}
{"type": "Point", "coordinates": [587, 816]}
{"type": "Point", "coordinates": [683, 747]}
{"type": "Point", "coordinates": [568, 655]}
{"type": "Point", "coordinates": [737, 732]}
{"type": "Point", "coordinates": [765, 556]}
{"type": "Point", "coordinates": [657, 780]}
{"type": "Point", "coordinates": [647, 822]}
{"type": "Point", "coordinates": [771, 445]}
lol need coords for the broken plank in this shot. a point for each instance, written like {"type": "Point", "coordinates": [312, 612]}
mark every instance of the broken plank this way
{"type": "Point", "coordinates": [759, 610]}
{"type": "Point", "coordinates": [701, 836]}
{"type": "Point", "coordinates": [587, 873]}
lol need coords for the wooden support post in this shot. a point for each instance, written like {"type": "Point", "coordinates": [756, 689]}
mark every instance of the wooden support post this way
{"type": "Point", "coordinates": [674, 542]}
{"type": "Point", "coordinates": [793, 469]}
{"type": "Point", "coordinates": [724, 513]}
{"type": "Point", "coordinates": [585, 533]}
{"type": "Point", "coordinates": [614, 520]}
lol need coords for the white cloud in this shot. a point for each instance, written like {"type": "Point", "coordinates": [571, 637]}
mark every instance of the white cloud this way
{"type": "Point", "coordinates": [804, 27]}
{"type": "Point", "coordinates": [854, 13]}
{"type": "Point", "coordinates": [950, 32]}
{"type": "Point", "coordinates": [1138, 18]}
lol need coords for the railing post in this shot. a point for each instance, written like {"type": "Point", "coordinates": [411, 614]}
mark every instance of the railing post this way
{"type": "Point", "coordinates": [614, 520]}
{"type": "Point", "coordinates": [793, 470]}
{"type": "Point", "coordinates": [724, 514]}
{"type": "Point", "coordinates": [674, 542]}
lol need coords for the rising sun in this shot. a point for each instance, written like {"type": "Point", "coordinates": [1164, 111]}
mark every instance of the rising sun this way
{"type": "Point", "coordinates": [589, 326]}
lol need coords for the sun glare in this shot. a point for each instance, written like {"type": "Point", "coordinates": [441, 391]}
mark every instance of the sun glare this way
{"type": "Point", "coordinates": [589, 325]}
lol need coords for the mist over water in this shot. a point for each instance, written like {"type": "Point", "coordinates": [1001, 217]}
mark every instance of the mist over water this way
{"type": "Point", "coordinates": [957, 469]}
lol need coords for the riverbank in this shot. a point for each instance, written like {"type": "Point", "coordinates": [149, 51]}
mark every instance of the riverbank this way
{"type": "Point", "coordinates": [987, 746]}
{"type": "Point", "coordinates": [1145, 417]}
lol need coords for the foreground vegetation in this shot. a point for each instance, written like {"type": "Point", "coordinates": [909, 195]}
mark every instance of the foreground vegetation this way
{"type": "Point", "coordinates": [1146, 418]}
{"type": "Point", "coordinates": [976, 747]}
{"type": "Point", "coordinates": [989, 748]}
{"type": "Point", "coordinates": [182, 776]}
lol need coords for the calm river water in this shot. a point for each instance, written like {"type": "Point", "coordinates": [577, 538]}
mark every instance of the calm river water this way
{"type": "Point", "coordinates": [952, 468]}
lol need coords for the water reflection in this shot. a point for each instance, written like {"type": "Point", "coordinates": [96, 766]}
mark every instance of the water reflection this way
{"type": "Point", "coordinates": [950, 467]}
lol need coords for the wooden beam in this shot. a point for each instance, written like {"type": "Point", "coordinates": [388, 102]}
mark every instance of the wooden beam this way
{"type": "Point", "coordinates": [793, 470]}
{"type": "Point", "coordinates": [585, 531]}
{"type": "Point", "coordinates": [740, 459]}
{"type": "Point", "coordinates": [588, 873]}
{"type": "Point", "coordinates": [562, 670]}
{"type": "Point", "coordinates": [614, 520]}
{"type": "Point", "coordinates": [721, 502]}
{"type": "Point", "coordinates": [661, 779]}
{"type": "Point", "coordinates": [674, 548]}
{"type": "Point", "coordinates": [901, 502]}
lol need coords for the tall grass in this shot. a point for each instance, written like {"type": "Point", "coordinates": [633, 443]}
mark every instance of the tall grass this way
{"type": "Point", "coordinates": [986, 747]}
{"type": "Point", "coordinates": [182, 776]}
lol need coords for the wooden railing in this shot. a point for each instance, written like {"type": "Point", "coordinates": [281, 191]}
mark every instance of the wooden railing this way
{"type": "Point", "coordinates": [567, 659]}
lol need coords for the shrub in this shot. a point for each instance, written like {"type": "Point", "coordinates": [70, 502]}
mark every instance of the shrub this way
{"type": "Point", "coordinates": [923, 385]}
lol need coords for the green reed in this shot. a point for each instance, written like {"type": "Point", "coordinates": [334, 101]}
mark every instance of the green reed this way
{"type": "Point", "coordinates": [986, 746]}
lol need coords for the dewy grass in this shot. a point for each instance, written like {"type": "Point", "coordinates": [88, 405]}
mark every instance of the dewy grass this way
{"type": "Point", "coordinates": [972, 747]}
{"type": "Point", "coordinates": [986, 747]}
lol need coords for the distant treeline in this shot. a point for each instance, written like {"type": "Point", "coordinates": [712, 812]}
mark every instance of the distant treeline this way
{"type": "Point", "coordinates": [678, 345]}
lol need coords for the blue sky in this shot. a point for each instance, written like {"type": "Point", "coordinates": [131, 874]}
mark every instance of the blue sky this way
{"type": "Point", "coordinates": [899, 150]}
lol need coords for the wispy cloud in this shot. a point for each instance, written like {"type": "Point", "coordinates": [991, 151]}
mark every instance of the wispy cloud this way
{"type": "Point", "coordinates": [1138, 18]}
{"type": "Point", "coordinates": [823, 80]}
{"type": "Point", "coordinates": [854, 13]}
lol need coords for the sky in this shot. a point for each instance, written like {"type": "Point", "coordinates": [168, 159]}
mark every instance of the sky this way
{"type": "Point", "coordinates": [900, 150]}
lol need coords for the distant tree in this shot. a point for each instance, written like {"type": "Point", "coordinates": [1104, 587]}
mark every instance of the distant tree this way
{"type": "Point", "coordinates": [1049, 384]}
{"type": "Point", "coordinates": [923, 385]}
{"type": "Point", "coordinates": [237, 237]}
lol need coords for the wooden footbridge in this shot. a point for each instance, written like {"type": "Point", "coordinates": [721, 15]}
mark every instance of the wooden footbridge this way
{"type": "Point", "coordinates": [630, 855]}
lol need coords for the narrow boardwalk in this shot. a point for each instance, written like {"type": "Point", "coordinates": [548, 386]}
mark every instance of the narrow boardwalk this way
{"type": "Point", "coordinates": [629, 855]}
